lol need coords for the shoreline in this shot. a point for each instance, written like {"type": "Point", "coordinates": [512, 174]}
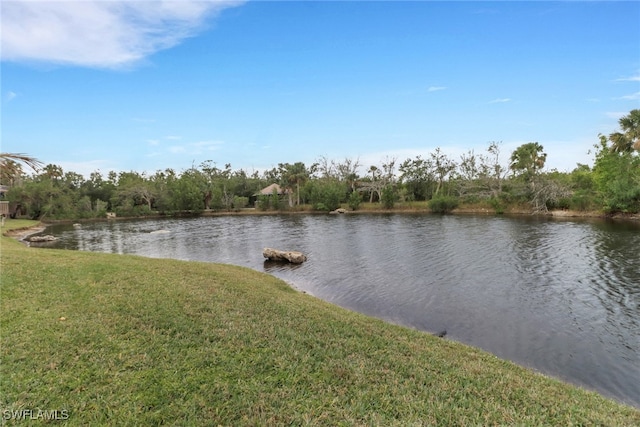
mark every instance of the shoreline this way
{"type": "Point", "coordinates": [21, 234]}
{"type": "Point", "coordinates": [568, 214]}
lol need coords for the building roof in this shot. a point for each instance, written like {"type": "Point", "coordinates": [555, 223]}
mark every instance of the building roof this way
{"type": "Point", "coordinates": [267, 191]}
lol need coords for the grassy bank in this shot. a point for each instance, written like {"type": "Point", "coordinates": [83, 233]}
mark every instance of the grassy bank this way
{"type": "Point", "coordinates": [123, 340]}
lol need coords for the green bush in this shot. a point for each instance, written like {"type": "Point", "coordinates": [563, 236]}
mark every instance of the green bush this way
{"type": "Point", "coordinates": [263, 202]}
{"type": "Point", "coordinates": [327, 195]}
{"type": "Point", "coordinates": [240, 202]}
{"type": "Point", "coordinates": [497, 204]}
{"type": "Point", "coordinates": [562, 203]}
{"type": "Point", "coordinates": [388, 197]}
{"type": "Point", "coordinates": [443, 204]}
{"type": "Point", "coordinates": [354, 200]}
{"type": "Point", "coordinates": [581, 201]}
{"type": "Point", "coordinates": [321, 207]}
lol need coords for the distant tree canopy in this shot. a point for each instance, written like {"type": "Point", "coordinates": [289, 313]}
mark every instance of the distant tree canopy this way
{"type": "Point", "coordinates": [612, 185]}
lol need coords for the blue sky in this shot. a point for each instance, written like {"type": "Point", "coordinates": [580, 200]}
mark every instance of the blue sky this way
{"type": "Point", "coordinates": [148, 85]}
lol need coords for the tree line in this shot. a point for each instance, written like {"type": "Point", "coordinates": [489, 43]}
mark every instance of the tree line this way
{"type": "Point", "coordinates": [612, 185]}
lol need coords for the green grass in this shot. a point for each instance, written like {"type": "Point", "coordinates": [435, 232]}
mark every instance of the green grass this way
{"type": "Point", "coordinates": [125, 340]}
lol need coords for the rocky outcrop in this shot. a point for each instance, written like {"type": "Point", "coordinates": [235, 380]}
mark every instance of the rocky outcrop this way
{"type": "Point", "coordinates": [288, 256]}
{"type": "Point", "coordinates": [339, 211]}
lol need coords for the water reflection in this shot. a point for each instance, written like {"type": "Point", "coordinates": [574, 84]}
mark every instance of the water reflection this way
{"type": "Point", "coordinates": [559, 296]}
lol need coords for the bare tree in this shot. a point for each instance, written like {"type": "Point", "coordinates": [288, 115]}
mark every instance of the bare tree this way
{"type": "Point", "coordinates": [443, 166]}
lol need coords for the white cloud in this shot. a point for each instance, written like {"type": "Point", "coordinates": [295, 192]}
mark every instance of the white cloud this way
{"type": "Point", "coordinates": [499, 100]}
{"type": "Point", "coordinates": [614, 114]}
{"type": "Point", "coordinates": [565, 155]}
{"type": "Point", "coordinates": [207, 145]}
{"type": "Point", "coordinates": [629, 79]}
{"type": "Point", "coordinates": [11, 96]}
{"type": "Point", "coordinates": [196, 148]}
{"type": "Point", "coordinates": [99, 33]}
{"type": "Point", "coordinates": [177, 149]}
{"type": "Point", "coordinates": [632, 97]}
{"type": "Point", "coordinates": [84, 168]}
{"type": "Point", "coordinates": [436, 88]}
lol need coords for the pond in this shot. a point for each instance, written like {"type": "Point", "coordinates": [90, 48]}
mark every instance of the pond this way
{"type": "Point", "coordinates": [559, 296]}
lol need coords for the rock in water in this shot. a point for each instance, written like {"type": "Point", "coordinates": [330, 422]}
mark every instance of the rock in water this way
{"type": "Point", "coordinates": [47, 238]}
{"type": "Point", "coordinates": [159, 232]}
{"type": "Point", "coordinates": [293, 257]}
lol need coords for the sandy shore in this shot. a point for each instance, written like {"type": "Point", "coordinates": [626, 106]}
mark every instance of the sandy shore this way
{"type": "Point", "coordinates": [23, 233]}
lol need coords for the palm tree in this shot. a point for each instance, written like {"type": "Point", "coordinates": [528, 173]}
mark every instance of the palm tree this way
{"type": "Point", "coordinates": [10, 160]}
{"type": "Point", "coordinates": [528, 159]}
{"type": "Point", "coordinates": [293, 174]}
{"type": "Point", "coordinates": [629, 139]}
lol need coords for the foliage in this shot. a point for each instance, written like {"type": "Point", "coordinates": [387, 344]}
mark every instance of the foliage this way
{"type": "Point", "coordinates": [326, 194]}
{"type": "Point", "coordinates": [292, 176]}
{"type": "Point", "coordinates": [527, 160]}
{"type": "Point", "coordinates": [379, 179]}
{"type": "Point", "coordinates": [274, 200]}
{"type": "Point", "coordinates": [355, 199]}
{"type": "Point", "coordinates": [549, 194]}
{"type": "Point", "coordinates": [11, 169]}
{"type": "Point", "coordinates": [263, 202]}
{"type": "Point", "coordinates": [388, 197]}
{"type": "Point", "coordinates": [612, 185]}
{"type": "Point", "coordinates": [417, 177]}
{"type": "Point", "coordinates": [481, 175]}
{"type": "Point", "coordinates": [443, 166]}
{"type": "Point", "coordinates": [443, 204]}
{"type": "Point", "coordinates": [629, 139]}
{"type": "Point", "coordinates": [497, 204]}
{"type": "Point", "coordinates": [616, 176]}
{"type": "Point", "coordinates": [240, 202]}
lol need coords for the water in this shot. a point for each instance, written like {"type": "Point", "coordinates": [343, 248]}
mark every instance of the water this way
{"type": "Point", "coordinates": [560, 297]}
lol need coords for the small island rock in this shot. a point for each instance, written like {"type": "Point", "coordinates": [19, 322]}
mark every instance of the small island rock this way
{"type": "Point", "coordinates": [47, 238]}
{"type": "Point", "coordinates": [293, 257]}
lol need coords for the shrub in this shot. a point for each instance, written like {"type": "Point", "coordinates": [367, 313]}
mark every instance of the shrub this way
{"type": "Point", "coordinates": [321, 207]}
{"type": "Point", "coordinates": [497, 205]}
{"type": "Point", "coordinates": [263, 202]}
{"type": "Point", "coordinates": [388, 197]}
{"type": "Point", "coordinates": [581, 201]}
{"type": "Point", "coordinates": [354, 200]}
{"type": "Point", "coordinates": [327, 195]}
{"type": "Point", "coordinates": [240, 202]}
{"type": "Point", "coordinates": [443, 204]}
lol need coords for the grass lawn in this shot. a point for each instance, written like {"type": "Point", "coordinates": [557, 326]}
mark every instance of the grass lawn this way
{"type": "Point", "coordinates": [123, 340]}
